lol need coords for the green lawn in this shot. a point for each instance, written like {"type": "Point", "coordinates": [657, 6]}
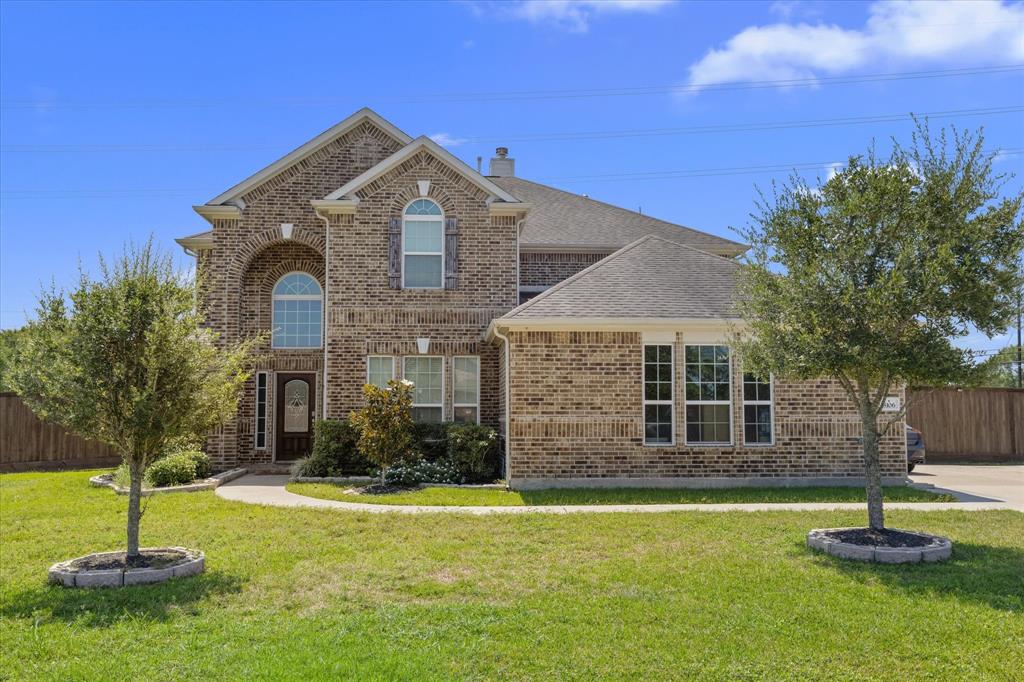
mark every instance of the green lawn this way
{"type": "Point", "coordinates": [318, 594]}
{"type": "Point", "coordinates": [463, 497]}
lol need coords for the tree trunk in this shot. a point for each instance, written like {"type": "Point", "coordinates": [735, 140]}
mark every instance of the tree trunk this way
{"type": "Point", "coordinates": [872, 470]}
{"type": "Point", "coordinates": [134, 510]}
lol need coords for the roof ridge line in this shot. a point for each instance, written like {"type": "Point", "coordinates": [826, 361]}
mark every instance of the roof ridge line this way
{"type": "Point", "coordinates": [569, 280]}
{"type": "Point", "coordinates": [692, 248]}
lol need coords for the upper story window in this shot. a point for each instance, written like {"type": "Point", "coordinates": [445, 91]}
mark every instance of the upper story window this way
{"type": "Point", "coordinates": [298, 312]}
{"type": "Point", "coordinates": [423, 245]}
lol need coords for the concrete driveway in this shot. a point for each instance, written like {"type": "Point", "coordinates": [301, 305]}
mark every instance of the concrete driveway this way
{"type": "Point", "coordinates": [975, 482]}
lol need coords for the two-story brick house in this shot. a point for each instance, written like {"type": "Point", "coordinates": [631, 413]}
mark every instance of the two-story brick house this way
{"type": "Point", "coordinates": [593, 337]}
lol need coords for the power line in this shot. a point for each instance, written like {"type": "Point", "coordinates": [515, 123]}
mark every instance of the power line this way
{"type": "Point", "coordinates": [529, 94]}
{"type": "Point", "coordinates": [540, 137]}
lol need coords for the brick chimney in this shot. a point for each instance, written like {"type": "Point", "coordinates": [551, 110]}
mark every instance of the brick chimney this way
{"type": "Point", "coordinates": [501, 165]}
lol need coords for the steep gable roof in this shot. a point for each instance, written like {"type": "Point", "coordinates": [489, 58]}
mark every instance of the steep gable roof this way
{"type": "Point", "coordinates": [321, 140]}
{"type": "Point", "coordinates": [563, 220]}
{"type": "Point", "coordinates": [652, 278]}
{"type": "Point", "coordinates": [422, 142]}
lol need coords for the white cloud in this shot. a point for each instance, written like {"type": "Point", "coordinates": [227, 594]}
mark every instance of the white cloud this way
{"type": "Point", "coordinates": [570, 15]}
{"type": "Point", "coordinates": [833, 170]}
{"type": "Point", "coordinates": [901, 31]}
{"type": "Point", "coordinates": [447, 139]}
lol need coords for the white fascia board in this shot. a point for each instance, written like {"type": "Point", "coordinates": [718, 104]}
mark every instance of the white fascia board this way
{"type": "Point", "coordinates": [698, 327]}
{"type": "Point", "coordinates": [336, 206]}
{"type": "Point", "coordinates": [305, 150]}
{"type": "Point", "coordinates": [404, 153]}
{"type": "Point", "coordinates": [225, 212]}
{"type": "Point", "coordinates": [195, 243]}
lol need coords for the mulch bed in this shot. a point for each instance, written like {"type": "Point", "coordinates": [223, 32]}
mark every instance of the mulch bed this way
{"type": "Point", "coordinates": [881, 538]}
{"type": "Point", "coordinates": [116, 561]}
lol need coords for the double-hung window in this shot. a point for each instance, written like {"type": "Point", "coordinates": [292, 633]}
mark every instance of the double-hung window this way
{"type": "Point", "coordinates": [757, 410]}
{"type": "Point", "coordinates": [708, 403]}
{"type": "Point", "coordinates": [380, 369]}
{"type": "Point", "coordinates": [426, 373]}
{"type": "Point", "coordinates": [466, 389]}
{"type": "Point", "coordinates": [423, 245]}
{"type": "Point", "coordinates": [658, 405]}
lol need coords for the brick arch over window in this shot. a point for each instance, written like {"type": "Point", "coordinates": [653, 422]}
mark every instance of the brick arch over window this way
{"type": "Point", "coordinates": [264, 269]}
{"type": "Point", "coordinates": [408, 193]}
{"type": "Point", "coordinates": [255, 244]}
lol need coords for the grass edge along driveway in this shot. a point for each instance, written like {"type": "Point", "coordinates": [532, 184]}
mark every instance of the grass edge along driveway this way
{"type": "Point", "coordinates": [299, 593]}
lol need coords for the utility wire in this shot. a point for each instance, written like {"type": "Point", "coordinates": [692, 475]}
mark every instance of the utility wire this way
{"type": "Point", "coordinates": [541, 137]}
{"type": "Point", "coordinates": [528, 94]}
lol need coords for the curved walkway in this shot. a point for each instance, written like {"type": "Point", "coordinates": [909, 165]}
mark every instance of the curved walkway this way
{"type": "Point", "coordinates": [270, 491]}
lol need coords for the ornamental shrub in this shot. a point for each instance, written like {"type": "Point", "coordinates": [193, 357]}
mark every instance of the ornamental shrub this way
{"type": "Point", "coordinates": [176, 469]}
{"type": "Point", "coordinates": [385, 424]}
{"type": "Point", "coordinates": [335, 451]}
{"type": "Point", "coordinates": [430, 441]}
{"type": "Point", "coordinates": [473, 450]}
{"type": "Point", "coordinates": [408, 474]}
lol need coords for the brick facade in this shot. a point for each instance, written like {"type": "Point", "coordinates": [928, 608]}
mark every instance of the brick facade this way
{"type": "Point", "coordinates": [545, 269]}
{"type": "Point", "coordinates": [577, 413]}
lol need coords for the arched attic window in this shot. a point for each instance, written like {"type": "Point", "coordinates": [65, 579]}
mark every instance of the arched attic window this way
{"type": "Point", "coordinates": [297, 312]}
{"type": "Point", "coordinates": [423, 245]}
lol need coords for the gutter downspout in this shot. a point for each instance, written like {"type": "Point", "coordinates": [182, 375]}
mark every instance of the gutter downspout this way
{"type": "Point", "coordinates": [508, 400]}
{"type": "Point", "coordinates": [327, 253]}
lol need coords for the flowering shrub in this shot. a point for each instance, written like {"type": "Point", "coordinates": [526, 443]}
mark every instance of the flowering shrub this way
{"type": "Point", "coordinates": [422, 471]}
{"type": "Point", "coordinates": [385, 424]}
{"type": "Point", "coordinates": [473, 449]}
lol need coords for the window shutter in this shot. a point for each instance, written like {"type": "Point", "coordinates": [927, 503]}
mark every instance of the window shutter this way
{"type": "Point", "coordinates": [451, 253]}
{"type": "Point", "coordinates": [395, 253]}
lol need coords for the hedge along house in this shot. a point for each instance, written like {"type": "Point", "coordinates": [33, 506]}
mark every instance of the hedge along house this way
{"type": "Point", "coordinates": [593, 337]}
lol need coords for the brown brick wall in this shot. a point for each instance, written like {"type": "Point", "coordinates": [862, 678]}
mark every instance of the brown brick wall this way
{"type": "Point", "coordinates": [547, 269]}
{"type": "Point", "coordinates": [577, 412]}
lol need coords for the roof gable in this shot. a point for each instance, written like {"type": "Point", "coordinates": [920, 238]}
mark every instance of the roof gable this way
{"type": "Point", "coordinates": [318, 142]}
{"type": "Point", "coordinates": [348, 190]}
{"type": "Point", "coordinates": [652, 278]}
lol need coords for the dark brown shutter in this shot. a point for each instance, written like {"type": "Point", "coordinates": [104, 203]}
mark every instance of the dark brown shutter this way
{"type": "Point", "coordinates": [395, 253]}
{"type": "Point", "coordinates": [451, 253]}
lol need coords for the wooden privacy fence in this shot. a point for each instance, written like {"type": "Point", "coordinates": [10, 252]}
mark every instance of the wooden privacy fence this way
{"type": "Point", "coordinates": [27, 442]}
{"type": "Point", "coordinates": [970, 424]}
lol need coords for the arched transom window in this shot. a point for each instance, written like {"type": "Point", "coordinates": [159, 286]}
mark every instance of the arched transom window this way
{"type": "Point", "coordinates": [298, 312]}
{"type": "Point", "coordinates": [423, 245]}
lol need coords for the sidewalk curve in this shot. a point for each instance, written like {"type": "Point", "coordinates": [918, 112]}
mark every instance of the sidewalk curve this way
{"type": "Point", "coordinates": [270, 491]}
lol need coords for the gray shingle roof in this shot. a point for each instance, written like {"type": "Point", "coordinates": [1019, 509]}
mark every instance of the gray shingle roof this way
{"type": "Point", "coordinates": [563, 219]}
{"type": "Point", "coordinates": [650, 278]}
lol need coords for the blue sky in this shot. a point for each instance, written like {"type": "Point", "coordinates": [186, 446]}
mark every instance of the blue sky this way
{"type": "Point", "coordinates": [117, 118]}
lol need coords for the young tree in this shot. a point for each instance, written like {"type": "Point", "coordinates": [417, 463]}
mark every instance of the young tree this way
{"type": "Point", "coordinates": [385, 424]}
{"type": "Point", "coordinates": [123, 360]}
{"type": "Point", "coordinates": [868, 276]}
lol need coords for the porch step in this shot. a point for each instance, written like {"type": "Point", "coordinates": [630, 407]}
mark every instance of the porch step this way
{"type": "Point", "coordinates": [268, 469]}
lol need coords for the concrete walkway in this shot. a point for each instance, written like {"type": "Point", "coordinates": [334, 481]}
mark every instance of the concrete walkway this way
{"type": "Point", "coordinates": [269, 490]}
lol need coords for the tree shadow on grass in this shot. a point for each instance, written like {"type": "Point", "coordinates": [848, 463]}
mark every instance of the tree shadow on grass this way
{"type": "Point", "coordinates": [103, 607]}
{"type": "Point", "coordinates": [993, 576]}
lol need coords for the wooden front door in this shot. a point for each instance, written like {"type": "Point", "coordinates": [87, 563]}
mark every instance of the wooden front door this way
{"type": "Point", "coordinates": [296, 404]}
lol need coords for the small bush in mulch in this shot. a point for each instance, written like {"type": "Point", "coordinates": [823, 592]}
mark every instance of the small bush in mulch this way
{"type": "Point", "coordinates": [148, 558]}
{"type": "Point", "coordinates": [881, 538]}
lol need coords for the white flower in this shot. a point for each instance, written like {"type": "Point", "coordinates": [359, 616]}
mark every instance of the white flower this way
{"type": "Point", "coordinates": [406, 382]}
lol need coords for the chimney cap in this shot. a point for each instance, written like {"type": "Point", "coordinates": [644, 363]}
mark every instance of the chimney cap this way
{"type": "Point", "coordinates": [502, 152]}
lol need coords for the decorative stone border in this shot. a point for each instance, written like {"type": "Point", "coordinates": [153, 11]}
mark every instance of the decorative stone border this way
{"type": "Point", "coordinates": [940, 548]}
{"type": "Point", "coordinates": [107, 481]}
{"type": "Point", "coordinates": [62, 573]}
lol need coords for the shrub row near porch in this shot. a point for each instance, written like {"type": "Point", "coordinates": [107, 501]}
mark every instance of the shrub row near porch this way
{"type": "Point", "coordinates": [441, 453]}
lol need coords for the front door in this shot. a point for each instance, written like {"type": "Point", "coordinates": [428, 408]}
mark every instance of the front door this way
{"type": "Point", "coordinates": [296, 401]}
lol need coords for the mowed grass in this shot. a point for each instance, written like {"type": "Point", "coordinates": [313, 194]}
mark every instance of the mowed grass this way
{"type": "Point", "coordinates": [321, 594]}
{"type": "Point", "coordinates": [490, 497]}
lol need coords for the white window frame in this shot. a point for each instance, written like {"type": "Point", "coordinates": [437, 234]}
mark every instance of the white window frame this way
{"type": "Point", "coordinates": [388, 357]}
{"type": "Point", "coordinates": [265, 376]}
{"type": "Point", "coordinates": [405, 376]}
{"type": "Point", "coordinates": [771, 407]}
{"type": "Point", "coordinates": [423, 218]}
{"type": "Point", "coordinates": [476, 405]}
{"type": "Point", "coordinates": [296, 297]}
{"type": "Point", "coordinates": [672, 392]}
{"type": "Point", "coordinates": [686, 401]}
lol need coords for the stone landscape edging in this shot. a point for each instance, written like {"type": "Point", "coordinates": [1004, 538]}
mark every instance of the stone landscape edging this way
{"type": "Point", "coordinates": [62, 573]}
{"type": "Point", "coordinates": [106, 481]}
{"type": "Point", "coordinates": [941, 550]}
